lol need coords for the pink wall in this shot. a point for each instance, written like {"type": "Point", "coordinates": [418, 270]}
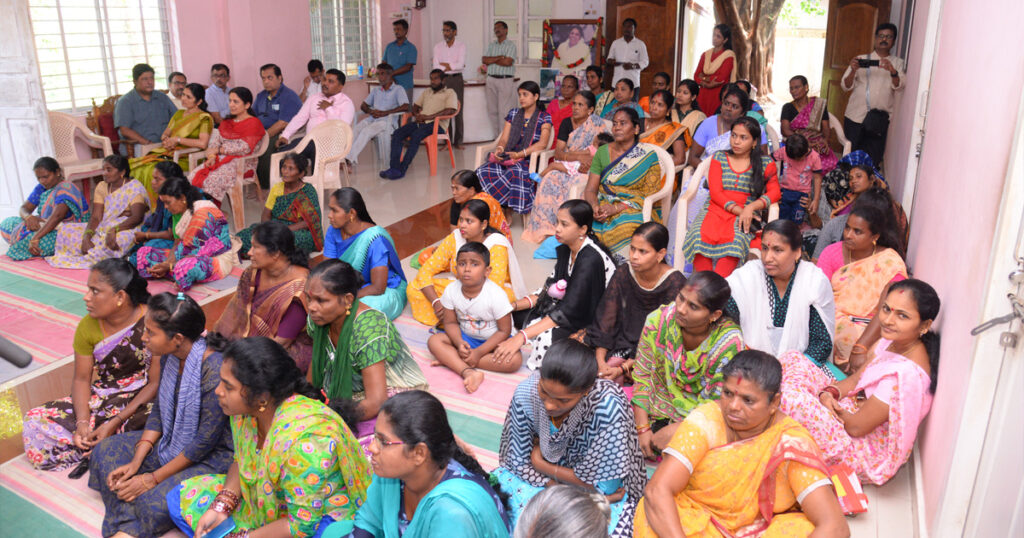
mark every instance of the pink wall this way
{"type": "Point", "coordinates": [415, 36]}
{"type": "Point", "coordinates": [244, 35]}
{"type": "Point", "coordinates": [961, 176]}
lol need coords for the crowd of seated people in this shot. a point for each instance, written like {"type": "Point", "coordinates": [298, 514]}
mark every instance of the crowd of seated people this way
{"type": "Point", "coordinates": [787, 350]}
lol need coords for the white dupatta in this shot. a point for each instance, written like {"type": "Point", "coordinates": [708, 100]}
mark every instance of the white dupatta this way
{"type": "Point", "coordinates": [810, 288]}
{"type": "Point", "coordinates": [499, 239]}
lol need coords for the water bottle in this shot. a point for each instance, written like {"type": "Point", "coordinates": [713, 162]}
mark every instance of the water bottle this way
{"type": "Point", "coordinates": [360, 69]}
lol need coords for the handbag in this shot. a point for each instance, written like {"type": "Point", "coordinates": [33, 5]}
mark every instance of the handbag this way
{"type": "Point", "coordinates": [876, 122]}
{"type": "Point", "coordinates": [496, 159]}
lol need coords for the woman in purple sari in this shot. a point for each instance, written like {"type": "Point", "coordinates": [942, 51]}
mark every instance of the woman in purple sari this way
{"type": "Point", "coordinates": [808, 116]}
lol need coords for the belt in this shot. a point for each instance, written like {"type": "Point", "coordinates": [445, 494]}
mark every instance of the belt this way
{"type": "Point", "coordinates": [453, 74]}
{"type": "Point", "coordinates": [501, 76]}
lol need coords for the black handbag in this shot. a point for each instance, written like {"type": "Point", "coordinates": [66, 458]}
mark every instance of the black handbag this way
{"type": "Point", "coordinates": [876, 123]}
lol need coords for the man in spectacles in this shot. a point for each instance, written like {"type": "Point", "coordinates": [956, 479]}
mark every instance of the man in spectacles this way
{"type": "Point", "coordinates": [873, 80]}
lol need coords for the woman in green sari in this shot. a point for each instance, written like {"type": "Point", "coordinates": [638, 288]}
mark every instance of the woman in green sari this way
{"type": "Point", "coordinates": [293, 202]}
{"type": "Point", "coordinates": [354, 238]}
{"type": "Point", "coordinates": [622, 174]}
{"type": "Point", "coordinates": [188, 128]}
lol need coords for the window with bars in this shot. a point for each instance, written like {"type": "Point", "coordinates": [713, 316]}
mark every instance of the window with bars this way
{"type": "Point", "coordinates": [525, 19]}
{"type": "Point", "coordinates": [86, 48]}
{"type": "Point", "coordinates": [344, 34]}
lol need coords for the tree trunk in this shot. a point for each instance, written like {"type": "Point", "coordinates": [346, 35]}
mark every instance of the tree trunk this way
{"type": "Point", "coordinates": [753, 25]}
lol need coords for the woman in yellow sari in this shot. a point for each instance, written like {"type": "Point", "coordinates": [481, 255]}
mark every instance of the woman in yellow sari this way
{"type": "Point", "coordinates": [190, 127]}
{"type": "Point", "coordinates": [740, 467]}
{"type": "Point", "coordinates": [662, 131]}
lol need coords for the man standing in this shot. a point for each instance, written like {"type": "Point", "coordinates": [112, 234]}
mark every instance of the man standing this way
{"type": "Point", "coordinates": [275, 106]}
{"type": "Point", "coordinates": [217, 93]}
{"type": "Point", "coordinates": [500, 88]}
{"type": "Point", "coordinates": [311, 84]}
{"type": "Point", "coordinates": [450, 57]}
{"type": "Point", "coordinates": [628, 55]}
{"type": "Point", "coordinates": [176, 82]}
{"type": "Point", "coordinates": [401, 54]}
{"type": "Point", "coordinates": [873, 80]}
{"type": "Point", "coordinates": [435, 101]}
{"type": "Point", "coordinates": [141, 115]}
{"type": "Point", "coordinates": [327, 104]}
{"type": "Point", "coordinates": [383, 101]}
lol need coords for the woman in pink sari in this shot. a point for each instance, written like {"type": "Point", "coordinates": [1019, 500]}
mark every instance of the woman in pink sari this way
{"type": "Point", "coordinates": [236, 136]}
{"type": "Point", "coordinates": [808, 116]}
{"type": "Point", "coordinates": [869, 420]}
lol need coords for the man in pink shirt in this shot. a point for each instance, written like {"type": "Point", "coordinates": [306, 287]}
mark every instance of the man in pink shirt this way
{"type": "Point", "coordinates": [329, 104]}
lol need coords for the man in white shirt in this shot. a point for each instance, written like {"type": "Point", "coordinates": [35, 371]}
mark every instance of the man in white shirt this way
{"type": "Point", "coordinates": [329, 104]}
{"type": "Point", "coordinates": [450, 57]}
{"type": "Point", "coordinates": [217, 93]}
{"type": "Point", "coordinates": [311, 84]}
{"type": "Point", "coordinates": [380, 106]}
{"type": "Point", "coordinates": [628, 55]}
{"type": "Point", "coordinates": [176, 82]}
{"type": "Point", "coordinates": [873, 80]}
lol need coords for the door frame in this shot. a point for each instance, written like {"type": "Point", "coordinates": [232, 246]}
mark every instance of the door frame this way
{"type": "Point", "coordinates": [980, 397]}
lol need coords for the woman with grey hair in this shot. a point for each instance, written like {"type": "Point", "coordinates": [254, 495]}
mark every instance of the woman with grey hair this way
{"type": "Point", "coordinates": [566, 512]}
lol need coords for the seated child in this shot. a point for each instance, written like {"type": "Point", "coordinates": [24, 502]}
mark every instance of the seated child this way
{"type": "Point", "coordinates": [573, 167]}
{"type": "Point", "coordinates": [800, 179]}
{"type": "Point", "coordinates": [477, 317]}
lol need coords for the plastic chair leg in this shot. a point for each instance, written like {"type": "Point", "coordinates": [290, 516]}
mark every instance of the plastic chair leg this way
{"type": "Point", "coordinates": [432, 154]}
{"type": "Point", "coordinates": [451, 153]}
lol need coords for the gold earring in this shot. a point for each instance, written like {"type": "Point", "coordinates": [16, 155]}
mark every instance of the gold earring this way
{"type": "Point", "coordinates": [348, 309]}
{"type": "Point", "coordinates": [263, 406]}
{"type": "Point", "coordinates": [119, 303]}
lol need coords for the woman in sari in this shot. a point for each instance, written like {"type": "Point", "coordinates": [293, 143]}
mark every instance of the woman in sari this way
{"type": "Point", "coordinates": [622, 97]}
{"type": "Point", "coordinates": [742, 182]}
{"type": "Point", "coordinates": [560, 108]}
{"type": "Point", "coordinates": [567, 302]}
{"type": "Point", "coordinates": [203, 249]}
{"type": "Point", "coordinates": [740, 467]}
{"type": "Point", "coordinates": [506, 175]}
{"type": "Point", "coordinates": [808, 116]}
{"type": "Point", "coordinates": [686, 111]}
{"type": "Point", "coordinates": [860, 268]}
{"type": "Point", "coordinates": [357, 352]}
{"type": "Point", "coordinates": [683, 347]}
{"type": "Point", "coordinates": [574, 151]}
{"type": "Point", "coordinates": [187, 433]}
{"type": "Point", "coordinates": [602, 97]}
{"type": "Point", "coordinates": [269, 300]}
{"type": "Point", "coordinates": [425, 292]}
{"type": "Point", "coordinates": [465, 187]}
{"type": "Point", "coordinates": [423, 483]}
{"type": "Point", "coordinates": [356, 240]}
{"type": "Point", "coordinates": [869, 420]}
{"type": "Point", "coordinates": [622, 174]}
{"type": "Point", "coordinates": [662, 131]}
{"type": "Point", "coordinates": [190, 127]}
{"type": "Point", "coordinates": [293, 202]}
{"type": "Point", "coordinates": [56, 200]}
{"type": "Point", "coordinates": [784, 303]}
{"type": "Point", "coordinates": [156, 227]}
{"type": "Point", "coordinates": [118, 206]}
{"type": "Point", "coordinates": [114, 379]}
{"type": "Point", "coordinates": [717, 66]}
{"type": "Point", "coordinates": [564, 425]}
{"type": "Point", "coordinates": [636, 289]}
{"type": "Point", "coordinates": [297, 467]}
{"type": "Point", "coordinates": [237, 136]}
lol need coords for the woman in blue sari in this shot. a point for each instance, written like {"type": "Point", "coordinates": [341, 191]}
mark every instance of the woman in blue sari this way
{"type": "Point", "coordinates": [419, 467]}
{"type": "Point", "coordinates": [565, 425]}
{"type": "Point", "coordinates": [354, 238]}
{"type": "Point", "coordinates": [623, 93]}
{"type": "Point", "coordinates": [156, 227]}
{"type": "Point", "coordinates": [56, 200]}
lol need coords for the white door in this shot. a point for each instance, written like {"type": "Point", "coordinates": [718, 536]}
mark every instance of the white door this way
{"type": "Point", "coordinates": [24, 128]}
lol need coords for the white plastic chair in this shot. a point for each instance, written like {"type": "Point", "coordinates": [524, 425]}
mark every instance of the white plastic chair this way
{"type": "Point", "coordinates": [664, 195]}
{"type": "Point", "coordinates": [544, 157]}
{"type": "Point", "coordinates": [235, 196]}
{"type": "Point", "coordinates": [333, 139]}
{"type": "Point", "coordinates": [383, 140]}
{"type": "Point", "coordinates": [65, 129]}
{"type": "Point", "coordinates": [837, 126]}
{"type": "Point", "coordinates": [774, 140]}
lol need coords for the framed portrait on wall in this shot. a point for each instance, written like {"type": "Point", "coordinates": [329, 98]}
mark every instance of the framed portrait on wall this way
{"type": "Point", "coordinates": [570, 45]}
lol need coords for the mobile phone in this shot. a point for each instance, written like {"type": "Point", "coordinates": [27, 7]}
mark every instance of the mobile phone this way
{"type": "Point", "coordinates": [864, 62]}
{"type": "Point", "coordinates": [222, 530]}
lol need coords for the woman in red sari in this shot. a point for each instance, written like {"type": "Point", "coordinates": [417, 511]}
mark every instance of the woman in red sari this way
{"type": "Point", "coordinates": [237, 136]}
{"type": "Point", "coordinates": [717, 66]}
{"type": "Point", "coordinates": [560, 109]}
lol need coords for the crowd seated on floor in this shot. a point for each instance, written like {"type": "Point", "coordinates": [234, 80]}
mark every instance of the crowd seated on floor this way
{"type": "Point", "coordinates": [775, 351]}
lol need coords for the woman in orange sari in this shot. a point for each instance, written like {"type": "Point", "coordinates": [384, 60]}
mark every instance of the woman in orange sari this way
{"type": "Point", "coordinates": [740, 467]}
{"type": "Point", "coordinates": [717, 66]}
{"type": "Point", "coordinates": [236, 136]}
{"type": "Point", "coordinates": [662, 131]}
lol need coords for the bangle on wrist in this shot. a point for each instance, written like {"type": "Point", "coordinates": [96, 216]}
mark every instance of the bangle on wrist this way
{"type": "Point", "coordinates": [859, 348]}
{"type": "Point", "coordinates": [831, 390]}
{"type": "Point", "coordinates": [432, 303]}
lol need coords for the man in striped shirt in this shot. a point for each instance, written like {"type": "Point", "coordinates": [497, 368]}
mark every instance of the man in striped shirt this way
{"type": "Point", "coordinates": [500, 87]}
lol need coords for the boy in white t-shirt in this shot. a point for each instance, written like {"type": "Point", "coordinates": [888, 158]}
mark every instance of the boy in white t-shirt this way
{"type": "Point", "coordinates": [477, 317]}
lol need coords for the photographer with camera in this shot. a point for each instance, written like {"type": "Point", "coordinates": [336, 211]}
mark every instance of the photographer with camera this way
{"type": "Point", "coordinates": [873, 80]}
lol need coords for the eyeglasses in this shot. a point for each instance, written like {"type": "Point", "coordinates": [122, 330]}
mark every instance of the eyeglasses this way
{"type": "Point", "coordinates": [381, 442]}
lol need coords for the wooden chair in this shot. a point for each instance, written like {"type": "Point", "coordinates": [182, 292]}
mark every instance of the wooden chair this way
{"type": "Point", "coordinates": [433, 140]}
{"type": "Point", "coordinates": [65, 130]}
{"type": "Point", "coordinates": [333, 139]}
{"type": "Point", "coordinates": [235, 195]}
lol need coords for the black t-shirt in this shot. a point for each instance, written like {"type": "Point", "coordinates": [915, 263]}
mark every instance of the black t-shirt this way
{"type": "Point", "coordinates": [789, 112]}
{"type": "Point", "coordinates": [565, 129]}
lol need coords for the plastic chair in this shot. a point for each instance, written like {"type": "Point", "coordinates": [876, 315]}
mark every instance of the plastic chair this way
{"type": "Point", "coordinates": [837, 126]}
{"type": "Point", "coordinates": [235, 196]}
{"type": "Point", "coordinates": [333, 139]}
{"type": "Point", "coordinates": [664, 195]}
{"type": "Point", "coordinates": [774, 140]}
{"type": "Point", "coordinates": [432, 140]}
{"type": "Point", "coordinates": [383, 141]}
{"type": "Point", "coordinates": [65, 129]}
